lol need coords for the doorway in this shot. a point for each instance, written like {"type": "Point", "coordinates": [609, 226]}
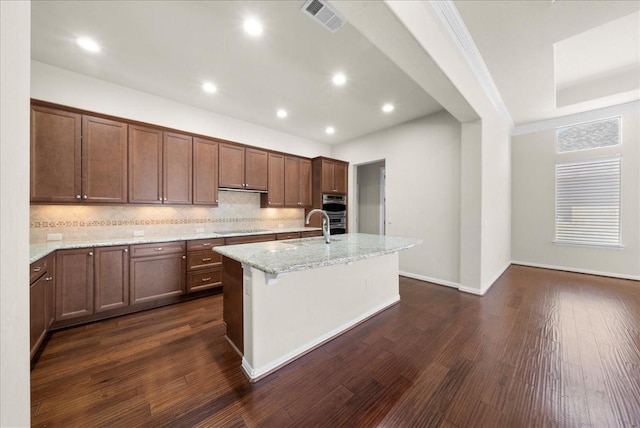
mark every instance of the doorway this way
{"type": "Point", "coordinates": [370, 181]}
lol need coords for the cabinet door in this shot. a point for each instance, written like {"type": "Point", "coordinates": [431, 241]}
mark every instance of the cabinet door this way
{"type": "Point", "coordinates": [111, 277]}
{"type": "Point", "coordinates": [328, 168]}
{"type": "Point", "coordinates": [177, 176]}
{"type": "Point", "coordinates": [55, 155]}
{"type": "Point", "coordinates": [231, 172]}
{"type": "Point", "coordinates": [152, 278]}
{"type": "Point", "coordinates": [145, 165]}
{"type": "Point", "coordinates": [276, 190]}
{"type": "Point", "coordinates": [205, 172]}
{"type": "Point", "coordinates": [104, 160]}
{"type": "Point", "coordinates": [291, 181]}
{"type": "Point", "coordinates": [340, 178]}
{"type": "Point", "coordinates": [74, 283]}
{"type": "Point", "coordinates": [305, 183]}
{"type": "Point", "coordinates": [256, 169]}
{"type": "Point", "coordinates": [38, 313]}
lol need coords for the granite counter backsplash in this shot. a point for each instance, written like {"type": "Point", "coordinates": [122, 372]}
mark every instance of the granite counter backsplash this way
{"type": "Point", "coordinates": [236, 210]}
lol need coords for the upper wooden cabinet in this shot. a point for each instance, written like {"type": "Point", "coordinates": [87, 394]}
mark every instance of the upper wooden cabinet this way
{"type": "Point", "coordinates": [77, 158]}
{"type": "Point", "coordinates": [243, 167]}
{"type": "Point", "coordinates": [159, 166]}
{"type": "Point", "coordinates": [205, 172]}
{"type": "Point", "coordinates": [274, 198]}
{"type": "Point", "coordinates": [297, 182]}
{"type": "Point", "coordinates": [330, 175]}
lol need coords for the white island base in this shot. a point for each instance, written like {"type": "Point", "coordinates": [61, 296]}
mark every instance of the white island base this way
{"type": "Point", "coordinates": [289, 315]}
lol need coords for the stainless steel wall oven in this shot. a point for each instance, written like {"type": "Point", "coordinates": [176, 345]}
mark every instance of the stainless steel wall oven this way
{"type": "Point", "coordinates": [336, 208]}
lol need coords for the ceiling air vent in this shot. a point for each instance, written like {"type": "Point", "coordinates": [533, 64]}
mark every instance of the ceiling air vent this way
{"type": "Point", "coordinates": [321, 12]}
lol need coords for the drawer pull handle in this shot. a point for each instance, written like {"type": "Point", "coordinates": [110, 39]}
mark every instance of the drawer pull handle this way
{"type": "Point", "coordinates": [206, 259]}
{"type": "Point", "coordinates": [206, 244]}
{"type": "Point", "coordinates": [158, 249]}
{"type": "Point", "coordinates": [49, 278]}
{"type": "Point", "coordinates": [37, 269]}
{"type": "Point", "coordinates": [206, 279]}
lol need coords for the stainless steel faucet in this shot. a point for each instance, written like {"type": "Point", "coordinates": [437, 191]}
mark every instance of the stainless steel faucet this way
{"type": "Point", "coordinates": [325, 223]}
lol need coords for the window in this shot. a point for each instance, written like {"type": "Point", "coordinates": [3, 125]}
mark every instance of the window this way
{"type": "Point", "coordinates": [588, 188]}
{"type": "Point", "coordinates": [588, 202]}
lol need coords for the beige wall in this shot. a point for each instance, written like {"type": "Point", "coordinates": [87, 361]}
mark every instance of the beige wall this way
{"type": "Point", "coordinates": [422, 160]}
{"type": "Point", "coordinates": [15, 27]}
{"type": "Point", "coordinates": [533, 204]}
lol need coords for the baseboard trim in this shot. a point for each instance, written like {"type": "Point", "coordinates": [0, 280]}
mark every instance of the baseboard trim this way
{"type": "Point", "coordinates": [255, 374]}
{"type": "Point", "coordinates": [430, 279]}
{"type": "Point", "coordinates": [577, 270]}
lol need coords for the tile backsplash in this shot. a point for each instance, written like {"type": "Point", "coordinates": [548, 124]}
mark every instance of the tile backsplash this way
{"type": "Point", "coordinates": [236, 210]}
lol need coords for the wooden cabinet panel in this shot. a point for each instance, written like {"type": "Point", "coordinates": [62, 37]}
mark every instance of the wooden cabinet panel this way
{"type": "Point", "coordinates": [310, 233]}
{"type": "Point", "coordinates": [177, 176]}
{"type": "Point", "coordinates": [51, 291]}
{"type": "Point", "coordinates": [287, 235]}
{"type": "Point", "coordinates": [111, 277]}
{"type": "Point", "coordinates": [74, 283]}
{"type": "Point", "coordinates": [159, 248]}
{"type": "Point", "coordinates": [340, 178]}
{"type": "Point", "coordinates": [205, 172]}
{"type": "Point", "coordinates": [203, 259]}
{"type": "Point", "coordinates": [231, 168]}
{"type": "Point", "coordinates": [305, 183]}
{"type": "Point", "coordinates": [152, 278]}
{"type": "Point", "coordinates": [249, 239]}
{"type": "Point", "coordinates": [55, 155]}
{"type": "Point", "coordinates": [276, 191]}
{"type": "Point", "coordinates": [256, 169]}
{"type": "Point", "coordinates": [38, 313]}
{"type": "Point", "coordinates": [38, 268]}
{"type": "Point", "coordinates": [104, 160]}
{"type": "Point", "coordinates": [291, 181]}
{"type": "Point", "coordinates": [204, 244]}
{"type": "Point", "coordinates": [145, 165]}
{"type": "Point", "coordinates": [327, 176]}
{"type": "Point", "coordinates": [232, 302]}
{"type": "Point", "coordinates": [204, 279]}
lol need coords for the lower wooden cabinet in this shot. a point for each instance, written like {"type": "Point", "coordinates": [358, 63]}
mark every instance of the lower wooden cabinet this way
{"type": "Point", "coordinates": [157, 271]}
{"type": "Point", "coordinates": [204, 266]}
{"type": "Point", "coordinates": [74, 283]}
{"type": "Point", "coordinates": [41, 301]}
{"type": "Point", "coordinates": [111, 269]}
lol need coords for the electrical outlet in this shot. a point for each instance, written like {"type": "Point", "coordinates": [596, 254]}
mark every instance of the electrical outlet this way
{"type": "Point", "coordinates": [138, 233]}
{"type": "Point", "coordinates": [54, 236]}
{"type": "Point", "coordinates": [199, 229]}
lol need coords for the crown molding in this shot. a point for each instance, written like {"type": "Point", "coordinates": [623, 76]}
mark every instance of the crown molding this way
{"type": "Point", "coordinates": [450, 18]}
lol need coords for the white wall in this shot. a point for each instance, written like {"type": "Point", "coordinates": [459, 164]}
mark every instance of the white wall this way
{"type": "Point", "coordinates": [422, 159]}
{"type": "Point", "coordinates": [15, 27]}
{"type": "Point", "coordinates": [533, 205]}
{"type": "Point", "coordinates": [61, 86]}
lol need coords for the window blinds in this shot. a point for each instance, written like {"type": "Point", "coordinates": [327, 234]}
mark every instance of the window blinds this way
{"type": "Point", "coordinates": [588, 202]}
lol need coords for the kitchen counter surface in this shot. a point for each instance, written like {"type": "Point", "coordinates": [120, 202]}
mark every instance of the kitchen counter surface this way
{"type": "Point", "coordinates": [275, 257]}
{"type": "Point", "coordinates": [38, 251]}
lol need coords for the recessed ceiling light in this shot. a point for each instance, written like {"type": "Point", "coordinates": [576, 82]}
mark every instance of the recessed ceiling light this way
{"type": "Point", "coordinates": [282, 113]}
{"type": "Point", "coordinates": [339, 79]}
{"type": "Point", "coordinates": [388, 108]}
{"type": "Point", "coordinates": [209, 88]}
{"type": "Point", "coordinates": [330, 130]}
{"type": "Point", "coordinates": [88, 44]}
{"type": "Point", "coordinates": [253, 27]}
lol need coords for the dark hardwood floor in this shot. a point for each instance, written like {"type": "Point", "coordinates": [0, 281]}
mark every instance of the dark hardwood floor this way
{"type": "Point", "coordinates": [542, 348]}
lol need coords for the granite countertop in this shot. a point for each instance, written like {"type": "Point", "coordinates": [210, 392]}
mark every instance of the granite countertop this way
{"type": "Point", "coordinates": [277, 257]}
{"type": "Point", "coordinates": [38, 251]}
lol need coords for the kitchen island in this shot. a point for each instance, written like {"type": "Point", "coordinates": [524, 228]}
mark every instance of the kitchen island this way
{"type": "Point", "coordinates": [285, 298]}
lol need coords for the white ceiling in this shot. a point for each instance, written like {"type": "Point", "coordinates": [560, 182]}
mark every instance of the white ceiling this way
{"type": "Point", "coordinates": [169, 48]}
{"type": "Point", "coordinates": [516, 40]}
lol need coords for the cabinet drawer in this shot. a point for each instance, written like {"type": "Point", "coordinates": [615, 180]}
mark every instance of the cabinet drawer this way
{"type": "Point", "coordinates": [157, 249]}
{"type": "Point", "coordinates": [204, 244]}
{"type": "Point", "coordinates": [288, 235]}
{"type": "Point", "coordinates": [203, 259]}
{"type": "Point", "coordinates": [204, 279]}
{"type": "Point", "coordinates": [37, 269]}
{"type": "Point", "coordinates": [310, 233]}
{"type": "Point", "coordinates": [249, 239]}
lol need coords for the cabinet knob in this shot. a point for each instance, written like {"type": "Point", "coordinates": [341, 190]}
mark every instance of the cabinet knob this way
{"type": "Point", "coordinates": [216, 200]}
{"type": "Point", "coordinates": [158, 249]}
{"type": "Point", "coordinates": [126, 250]}
{"type": "Point", "coordinates": [91, 253]}
{"type": "Point", "coordinates": [84, 196]}
{"type": "Point", "coordinates": [49, 278]}
{"type": "Point", "coordinates": [78, 197]}
{"type": "Point", "coordinates": [160, 199]}
{"type": "Point", "coordinates": [184, 257]}
{"type": "Point", "coordinates": [165, 199]}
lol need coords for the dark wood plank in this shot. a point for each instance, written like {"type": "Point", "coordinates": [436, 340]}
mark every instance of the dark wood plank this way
{"type": "Point", "coordinates": [542, 348]}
